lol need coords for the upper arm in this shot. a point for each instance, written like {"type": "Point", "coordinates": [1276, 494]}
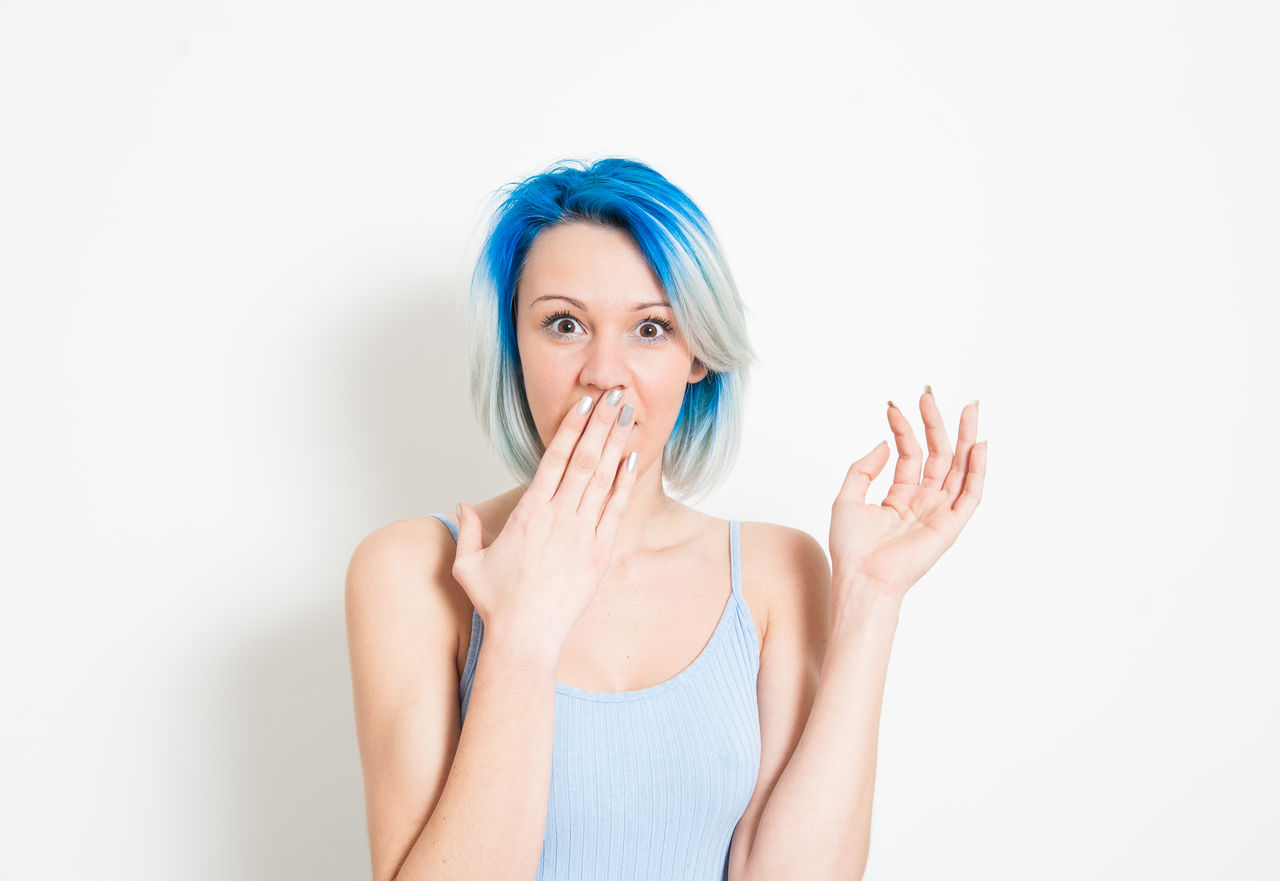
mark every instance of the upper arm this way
{"type": "Point", "coordinates": [794, 567]}
{"type": "Point", "coordinates": [403, 642]}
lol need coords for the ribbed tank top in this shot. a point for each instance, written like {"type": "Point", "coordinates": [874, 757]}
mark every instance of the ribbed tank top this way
{"type": "Point", "coordinates": [649, 784]}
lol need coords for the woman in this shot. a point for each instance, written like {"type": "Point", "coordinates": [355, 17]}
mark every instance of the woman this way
{"type": "Point", "coordinates": [606, 735]}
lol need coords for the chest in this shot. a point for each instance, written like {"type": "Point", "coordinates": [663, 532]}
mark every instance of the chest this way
{"type": "Point", "coordinates": [639, 635]}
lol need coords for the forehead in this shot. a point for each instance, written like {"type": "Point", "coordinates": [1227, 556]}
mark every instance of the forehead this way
{"type": "Point", "coordinates": [600, 266]}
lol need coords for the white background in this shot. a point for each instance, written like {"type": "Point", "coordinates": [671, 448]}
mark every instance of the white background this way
{"type": "Point", "coordinates": [236, 239]}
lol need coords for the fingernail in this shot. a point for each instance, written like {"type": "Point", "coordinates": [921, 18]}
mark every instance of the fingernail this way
{"type": "Point", "coordinates": [927, 390]}
{"type": "Point", "coordinates": [974, 402]}
{"type": "Point", "coordinates": [631, 461]}
{"type": "Point", "coordinates": [613, 397]}
{"type": "Point", "coordinates": [893, 405]}
{"type": "Point", "coordinates": [457, 513]}
{"type": "Point", "coordinates": [624, 418]}
{"type": "Point", "coordinates": [584, 405]}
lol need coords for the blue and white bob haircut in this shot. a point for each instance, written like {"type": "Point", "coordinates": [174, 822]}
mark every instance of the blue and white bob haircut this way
{"type": "Point", "coordinates": [676, 239]}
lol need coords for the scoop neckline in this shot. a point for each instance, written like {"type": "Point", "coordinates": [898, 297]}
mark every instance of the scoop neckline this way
{"type": "Point", "coordinates": [651, 690]}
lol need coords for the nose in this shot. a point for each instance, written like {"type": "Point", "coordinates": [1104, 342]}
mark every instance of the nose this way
{"type": "Point", "coordinates": [606, 365]}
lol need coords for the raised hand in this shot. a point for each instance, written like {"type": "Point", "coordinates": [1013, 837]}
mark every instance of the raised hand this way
{"type": "Point", "coordinates": [540, 573]}
{"type": "Point", "coordinates": [889, 546]}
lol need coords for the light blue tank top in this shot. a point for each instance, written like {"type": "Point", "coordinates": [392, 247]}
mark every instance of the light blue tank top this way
{"type": "Point", "coordinates": [650, 783]}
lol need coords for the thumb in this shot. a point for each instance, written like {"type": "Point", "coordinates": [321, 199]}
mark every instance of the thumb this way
{"type": "Point", "coordinates": [468, 529]}
{"type": "Point", "coordinates": [862, 472]}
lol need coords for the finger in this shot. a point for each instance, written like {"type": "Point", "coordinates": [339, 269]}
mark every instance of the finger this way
{"type": "Point", "coordinates": [907, 471]}
{"type": "Point", "coordinates": [611, 516]}
{"type": "Point", "coordinates": [861, 473]}
{"type": "Point", "coordinates": [556, 456]}
{"type": "Point", "coordinates": [972, 492]}
{"type": "Point", "coordinates": [598, 488]}
{"type": "Point", "coordinates": [935, 434]}
{"type": "Point", "coordinates": [468, 529]}
{"type": "Point", "coordinates": [965, 437]}
{"type": "Point", "coordinates": [586, 454]}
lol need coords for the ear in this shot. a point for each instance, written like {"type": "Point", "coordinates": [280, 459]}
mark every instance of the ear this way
{"type": "Point", "coordinates": [697, 372]}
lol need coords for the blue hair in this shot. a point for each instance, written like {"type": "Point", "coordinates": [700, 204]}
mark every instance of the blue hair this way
{"type": "Point", "coordinates": [680, 246]}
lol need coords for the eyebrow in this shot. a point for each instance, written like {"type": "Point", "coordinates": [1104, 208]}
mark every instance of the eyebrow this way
{"type": "Point", "coordinates": [583, 306]}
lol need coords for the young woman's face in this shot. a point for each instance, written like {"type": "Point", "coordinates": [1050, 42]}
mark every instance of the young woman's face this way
{"type": "Point", "coordinates": [591, 316]}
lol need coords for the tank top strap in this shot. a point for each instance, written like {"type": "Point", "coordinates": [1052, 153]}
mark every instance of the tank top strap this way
{"type": "Point", "coordinates": [453, 530]}
{"type": "Point", "coordinates": [747, 624]}
{"type": "Point", "coordinates": [735, 562]}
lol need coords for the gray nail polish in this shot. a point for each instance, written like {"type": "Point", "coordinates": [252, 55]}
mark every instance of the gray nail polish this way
{"type": "Point", "coordinates": [624, 418]}
{"type": "Point", "coordinates": [585, 404]}
{"type": "Point", "coordinates": [631, 461]}
{"type": "Point", "coordinates": [613, 397]}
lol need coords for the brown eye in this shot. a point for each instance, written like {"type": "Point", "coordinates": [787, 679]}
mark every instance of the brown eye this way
{"type": "Point", "coordinates": [655, 330]}
{"type": "Point", "coordinates": [560, 325]}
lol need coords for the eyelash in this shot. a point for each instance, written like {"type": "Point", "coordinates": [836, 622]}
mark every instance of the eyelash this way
{"type": "Point", "coordinates": [652, 319]}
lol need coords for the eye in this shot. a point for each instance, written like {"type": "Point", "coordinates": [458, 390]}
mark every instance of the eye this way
{"type": "Point", "coordinates": [649, 335]}
{"type": "Point", "coordinates": [560, 325]}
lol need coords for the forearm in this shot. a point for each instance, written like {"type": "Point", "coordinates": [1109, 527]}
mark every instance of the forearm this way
{"type": "Point", "coordinates": [817, 821]}
{"type": "Point", "coordinates": [491, 817]}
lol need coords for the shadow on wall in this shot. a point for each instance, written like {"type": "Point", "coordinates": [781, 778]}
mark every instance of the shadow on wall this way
{"type": "Point", "coordinates": [292, 793]}
{"type": "Point", "coordinates": [391, 404]}
{"type": "Point", "coordinates": [396, 395]}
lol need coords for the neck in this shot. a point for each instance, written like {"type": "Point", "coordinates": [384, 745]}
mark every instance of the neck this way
{"type": "Point", "coordinates": [647, 522]}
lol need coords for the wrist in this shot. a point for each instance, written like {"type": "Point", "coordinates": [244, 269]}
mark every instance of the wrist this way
{"type": "Point", "coordinates": [864, 600]}
{"type": "Point", "coordinates": [858, 582]}
{"type": "Point", "coordinates": [517, 645]}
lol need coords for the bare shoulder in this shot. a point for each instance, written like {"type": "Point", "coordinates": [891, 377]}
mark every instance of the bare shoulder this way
{"type": "Point", "coordinates": [401, 555]}
{"type": "Point", "coordinates": [401, 576]}
{"type": "Point", "coordinates": [402, 572]}
{"type": "Point", "coordinates": [419, 551]}
{"type": "Point", "coordinates": [784, 568]}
